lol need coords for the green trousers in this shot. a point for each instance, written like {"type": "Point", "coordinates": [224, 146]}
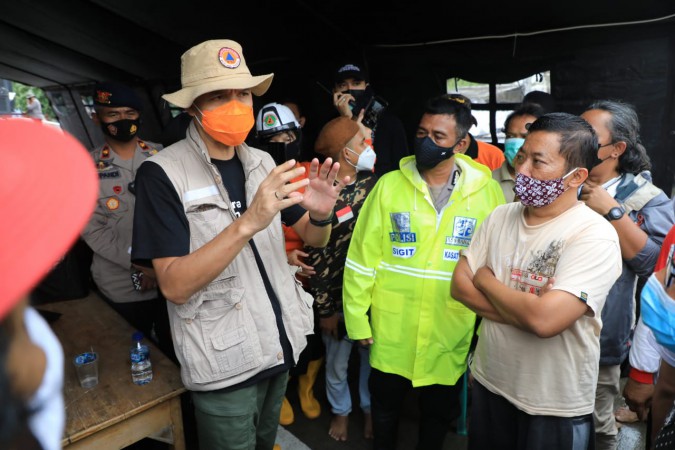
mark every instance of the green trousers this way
{"type": "Point", "coordinates": [244, 419]}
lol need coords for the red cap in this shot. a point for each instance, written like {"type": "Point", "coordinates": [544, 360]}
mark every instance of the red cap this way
{"type": "Point", "coordinates": [48, 190]}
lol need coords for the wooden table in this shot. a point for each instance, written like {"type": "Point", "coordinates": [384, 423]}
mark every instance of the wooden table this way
{"type": "Point", "coordinates": [115, 413]}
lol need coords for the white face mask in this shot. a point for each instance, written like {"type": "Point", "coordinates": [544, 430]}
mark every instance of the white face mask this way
{"type": "Point", "coordinates": [366, 160]}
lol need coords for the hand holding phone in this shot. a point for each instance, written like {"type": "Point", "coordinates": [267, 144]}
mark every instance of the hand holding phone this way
{"type": "Point", "coordinates": [343, 102]}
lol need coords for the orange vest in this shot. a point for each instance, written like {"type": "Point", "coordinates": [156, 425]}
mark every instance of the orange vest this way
{"type": "Point", "coordinates": [489, 155]}
{"type": "Point", "coordinates": [293, 239]}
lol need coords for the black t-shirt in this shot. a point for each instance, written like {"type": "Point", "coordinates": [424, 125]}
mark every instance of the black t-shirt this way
{"type": "Point", "coordinates": [161, 230]}
{"type": "Point", "coordinates": [161, 227]}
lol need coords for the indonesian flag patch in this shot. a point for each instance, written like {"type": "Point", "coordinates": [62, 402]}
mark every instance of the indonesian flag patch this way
{"type": "Point", "coordinates": [344, 214]}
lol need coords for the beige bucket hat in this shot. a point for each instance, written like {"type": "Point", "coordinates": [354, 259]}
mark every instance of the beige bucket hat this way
{"type": "Point", "coordinates": [212, 66]}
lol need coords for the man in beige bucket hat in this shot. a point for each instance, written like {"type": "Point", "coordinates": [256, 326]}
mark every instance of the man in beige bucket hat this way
{"type": "Point", "coordinates": [208, 218]}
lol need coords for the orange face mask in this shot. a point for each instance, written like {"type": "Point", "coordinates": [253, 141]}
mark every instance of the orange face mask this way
{"type": "Point", "coordinates": [229, 123]}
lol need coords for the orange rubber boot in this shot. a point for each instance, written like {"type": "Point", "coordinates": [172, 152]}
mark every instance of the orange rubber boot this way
{"type": "Point", "coordinates": [287, 416]}
{"type": "Point", "coordinates": [309, 404]}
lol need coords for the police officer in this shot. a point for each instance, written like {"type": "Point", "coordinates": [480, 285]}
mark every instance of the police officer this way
{"type": "Point", "coordinates": [130, 290]}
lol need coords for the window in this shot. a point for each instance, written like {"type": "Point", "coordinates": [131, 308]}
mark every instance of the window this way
{"type": "Point", "coordinates": [496, 100]}
{"type": "Point", "coordinates": [88, 103]}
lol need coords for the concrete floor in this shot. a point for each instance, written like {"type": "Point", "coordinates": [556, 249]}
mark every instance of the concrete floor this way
{"type": "Point", "coordinates": [631, 435]}
{"type": "Point", "coordinates": [306, 434]}
{"type": "Point", "coordinates": [313, 434]}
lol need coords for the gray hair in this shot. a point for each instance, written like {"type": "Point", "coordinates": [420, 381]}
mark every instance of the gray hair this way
{"type": "Point", "coordinates": [625, 126]}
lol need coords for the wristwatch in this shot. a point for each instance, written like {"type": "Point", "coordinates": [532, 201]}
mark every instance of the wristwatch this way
{"type": "Point", "coordinates": [615, 213]}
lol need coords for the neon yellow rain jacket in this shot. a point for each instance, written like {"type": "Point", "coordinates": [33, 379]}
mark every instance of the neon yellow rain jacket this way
{"type": "Point", "coordinates": [399, 267]}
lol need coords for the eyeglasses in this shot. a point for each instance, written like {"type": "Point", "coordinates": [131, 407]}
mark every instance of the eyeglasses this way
{"type": "Point", "coordinates": [605, 145]}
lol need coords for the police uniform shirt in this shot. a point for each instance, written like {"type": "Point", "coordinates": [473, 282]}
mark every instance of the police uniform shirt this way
{"type": "Point", "coordinates": [110, 228]}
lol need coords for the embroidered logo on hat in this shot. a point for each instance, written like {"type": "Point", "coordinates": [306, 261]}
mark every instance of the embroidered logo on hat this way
{"type": "Point", "coordinates": [103, 97]}
{"type": "Point", "coordinates": [349, 68]}
{"type": "Point", "coordinates": [270, 120]}
{"type": "Point", "coordinates": [229, 57]}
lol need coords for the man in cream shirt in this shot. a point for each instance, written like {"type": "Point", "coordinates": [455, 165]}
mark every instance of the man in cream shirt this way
{"type": "Point", "coordinates": [538, 272]}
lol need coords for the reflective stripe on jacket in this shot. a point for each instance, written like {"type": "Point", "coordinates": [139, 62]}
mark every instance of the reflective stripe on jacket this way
{"type": "Point", "coordinates": [399, 267]}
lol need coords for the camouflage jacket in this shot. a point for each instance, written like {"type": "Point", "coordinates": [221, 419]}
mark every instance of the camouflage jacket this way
{"type": "Point", "coordinates": [329, 262]}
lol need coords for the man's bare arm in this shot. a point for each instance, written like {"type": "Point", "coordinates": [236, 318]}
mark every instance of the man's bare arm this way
{"type": "Point", "coordinates": [463, 290]}
{"type": "Point", "coordinates": [545, 316]}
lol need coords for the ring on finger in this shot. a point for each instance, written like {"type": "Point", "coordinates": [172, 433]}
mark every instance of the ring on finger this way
{"type": "Point", "coordinates": [276, 194]}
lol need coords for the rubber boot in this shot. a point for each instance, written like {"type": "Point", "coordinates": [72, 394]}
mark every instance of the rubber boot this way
{"type": "Point", "coordinates": [286, 417]}
{"type": "Point", "coordinates": [309, 404]}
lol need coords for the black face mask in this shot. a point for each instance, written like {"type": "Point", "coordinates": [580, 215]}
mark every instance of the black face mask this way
{"type": "Point", "coordinates": [598, 161]}
{"type": "Point", "coordinates": [428, 155]}
{"type": "Point", "coordinates": [281, 151]}
{"type": "Point", "coordinates": [121, 130]}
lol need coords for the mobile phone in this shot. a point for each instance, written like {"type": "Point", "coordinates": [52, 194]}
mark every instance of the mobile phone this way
{"type": "Point", "coordinates": [373, 111]}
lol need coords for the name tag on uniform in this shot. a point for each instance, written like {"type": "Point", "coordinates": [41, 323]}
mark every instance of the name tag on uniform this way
{"type": "Point", "coordinates": [113, 174]}
{"type": "Point", "coordinates": [450, 255]}
{"type": "Point", "coordinates": [344, 214]}
{"type": "Point", "coordinates": [403, 252]}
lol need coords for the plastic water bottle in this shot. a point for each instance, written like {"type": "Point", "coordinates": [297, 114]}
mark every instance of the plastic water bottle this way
{"type": "Point", "coordinates": [141, 367]}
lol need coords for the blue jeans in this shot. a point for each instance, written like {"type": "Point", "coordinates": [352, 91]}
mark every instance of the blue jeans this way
{"type": "Point", "coordinates": [337, 388]}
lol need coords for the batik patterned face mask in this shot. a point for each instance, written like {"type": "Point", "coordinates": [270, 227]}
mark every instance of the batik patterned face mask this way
{"type": "Point", "coordinates": [538, 193]}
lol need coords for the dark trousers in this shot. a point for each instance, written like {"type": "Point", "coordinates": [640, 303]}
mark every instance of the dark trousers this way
{"type": "Point", "coordinates": [496, 424]}
{"type": "Point", "coordinates": [438, 404]}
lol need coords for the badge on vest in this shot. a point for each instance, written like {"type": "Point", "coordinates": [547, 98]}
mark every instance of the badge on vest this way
{"type": "Point", "coordinates": [462, 231]}
{"type": "Point", "coordinates": [117, 190]}
{"type": "Point", "coordinates": [400, 225]}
